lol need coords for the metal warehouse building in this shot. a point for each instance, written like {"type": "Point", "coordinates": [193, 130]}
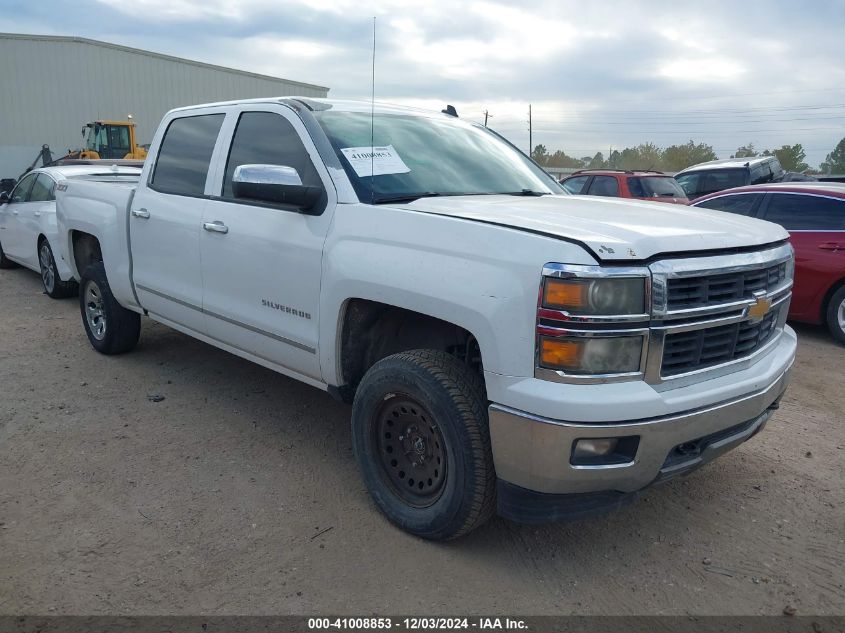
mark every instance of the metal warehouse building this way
{"type": "Point", "coordinates": [52, 86]}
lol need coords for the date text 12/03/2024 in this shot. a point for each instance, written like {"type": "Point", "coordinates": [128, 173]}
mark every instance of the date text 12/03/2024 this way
{"type": "Point", "coordinates": [417, 623]}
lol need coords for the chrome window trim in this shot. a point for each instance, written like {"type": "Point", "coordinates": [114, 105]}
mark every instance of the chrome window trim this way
{"type": "Point", "coordinates": [808, 193]}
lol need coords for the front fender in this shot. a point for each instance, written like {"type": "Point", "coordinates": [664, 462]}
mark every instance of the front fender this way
{"type": "Point", "coordinates": [480, 277]}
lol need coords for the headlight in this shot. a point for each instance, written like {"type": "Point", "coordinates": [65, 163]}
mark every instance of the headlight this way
{"type": "Point", "coordinates": [601, 297]}
{"type": "Point", "coordinates": [597, 355]}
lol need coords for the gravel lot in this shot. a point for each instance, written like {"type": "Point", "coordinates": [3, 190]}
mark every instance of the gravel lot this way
{"type": "Point", "coordinates": [238, 494]}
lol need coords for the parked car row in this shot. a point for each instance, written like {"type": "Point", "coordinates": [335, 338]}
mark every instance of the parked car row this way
{"type": "Point", "coordinates": [28, 230]}
{"type": "Point", "coordinates": [812, 212]}
{"type": "Point", "coordinates": [688, 184]}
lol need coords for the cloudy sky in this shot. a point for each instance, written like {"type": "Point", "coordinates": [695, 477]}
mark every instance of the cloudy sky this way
{"type": "Point", "coordinates": [598, 75]}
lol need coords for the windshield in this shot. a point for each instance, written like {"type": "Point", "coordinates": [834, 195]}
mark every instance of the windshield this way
{"type": "Point", "coordinates": [655, 187]}
{"type": "Point", "coordinates": [415, 156]}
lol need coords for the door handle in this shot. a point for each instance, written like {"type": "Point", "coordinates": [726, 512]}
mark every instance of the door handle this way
{"type": "Point", "coordinates": [141, 213]}
{"type": "Point", "coordinates": [215, 227]}
{"type": "Point", "coordinates": [37, 214]}
{"type": "Point", "coordinates": [14, 213]}
{"type": "Point", "coordinates": [831, 246]}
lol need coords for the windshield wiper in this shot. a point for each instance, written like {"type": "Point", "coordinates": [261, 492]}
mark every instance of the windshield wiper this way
{"type": "Point", "coordinates": [408, 197]}
{"type": "Point", "coordinates": [524, 192]}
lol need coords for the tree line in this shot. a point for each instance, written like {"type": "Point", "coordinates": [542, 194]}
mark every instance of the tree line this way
{"type": "Point", "coordinates": [678, 157]}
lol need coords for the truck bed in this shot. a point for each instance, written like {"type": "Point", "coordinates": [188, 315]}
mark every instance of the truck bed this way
{"type": "Point", "coordinates": [99, 205]}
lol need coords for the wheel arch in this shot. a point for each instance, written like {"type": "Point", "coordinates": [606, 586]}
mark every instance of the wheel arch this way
{"type": "Point", "coordinates": [86, 250]}
{"type": "Point", "coordinates": [369, 330]}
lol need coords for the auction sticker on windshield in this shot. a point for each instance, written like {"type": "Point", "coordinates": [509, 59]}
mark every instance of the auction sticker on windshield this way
{"type": "Point", "coordinates": [375, 161]}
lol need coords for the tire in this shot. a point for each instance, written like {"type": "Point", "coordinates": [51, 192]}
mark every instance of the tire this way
{"type": "Point", "coordinates": [5, 262]}
{"type": "Point", "coordinates": [111, 328]}
{"type": "Point", "coordinates": [835, 315]}
{"type": "Point", "coordinates": [421, 439]}
{"type": "Point", "coordinates": [54, 287]}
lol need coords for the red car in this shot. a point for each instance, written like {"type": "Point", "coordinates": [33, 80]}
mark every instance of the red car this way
{"type": "Point", "coordinates": [814, 215]}
{"type": "Point", "coordinates": [642, 185]}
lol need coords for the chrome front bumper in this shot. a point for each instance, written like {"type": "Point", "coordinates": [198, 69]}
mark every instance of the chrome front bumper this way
{"type": "Point", "coordinates": [533, 452]}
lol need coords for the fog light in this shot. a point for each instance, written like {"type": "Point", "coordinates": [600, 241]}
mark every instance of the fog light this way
{"type": "Point", "coordinates": [594, 448]}
{"type": "Point", "coordinates": [602, 451]}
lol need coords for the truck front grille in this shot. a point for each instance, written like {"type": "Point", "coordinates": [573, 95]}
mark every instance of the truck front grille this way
{"type": "Point", "coordinates": [684, 293]}
{"type": "Point", "coordinates": [710, 346]}
{"type": "Point", "coordinates": [706, 316]}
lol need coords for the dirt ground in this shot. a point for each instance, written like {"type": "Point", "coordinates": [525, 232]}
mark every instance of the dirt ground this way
{"type": "Point", "coordinates": [238, 494]}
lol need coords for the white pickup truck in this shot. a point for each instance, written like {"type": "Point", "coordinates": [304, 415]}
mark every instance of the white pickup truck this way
{"type": "Point", "coordinates": [505, 346]}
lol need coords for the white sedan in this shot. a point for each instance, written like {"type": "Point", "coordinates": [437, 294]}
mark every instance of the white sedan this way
{"type": "Point", "coordinates": [28, 223]}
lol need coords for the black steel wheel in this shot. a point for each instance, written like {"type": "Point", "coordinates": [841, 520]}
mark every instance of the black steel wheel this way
{"type": "Point", "coordinates": [421, 439]}
{"type": "Point", "coordinates": [412, 450]}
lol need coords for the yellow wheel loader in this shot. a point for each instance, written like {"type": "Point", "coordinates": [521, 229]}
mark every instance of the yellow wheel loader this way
{"type": "Point", "coordinates": [109, 140]}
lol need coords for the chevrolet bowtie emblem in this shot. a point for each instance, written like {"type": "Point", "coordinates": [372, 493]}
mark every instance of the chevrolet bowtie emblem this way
{"type": "Point", "coordinates": [760, 308]}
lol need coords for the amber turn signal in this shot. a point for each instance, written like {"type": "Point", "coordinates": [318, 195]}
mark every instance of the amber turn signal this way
{"type": "Point", "coordinates": [565, 294]}
{"type": "Point", "coordinates": [561, 354]}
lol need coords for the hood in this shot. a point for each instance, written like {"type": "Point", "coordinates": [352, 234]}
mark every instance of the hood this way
{"type": "Point", "coordinates": [613, 228]}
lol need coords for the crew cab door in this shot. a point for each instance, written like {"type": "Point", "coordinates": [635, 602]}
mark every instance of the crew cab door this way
{"type": "Point", "coordinates": [262, 261]}
{"type": "Point", "coordinates": [10, 214]}
{"type": "Point", "coordinates": [165, 221]}
{"type": "Point", "coordinates": [40, 203]}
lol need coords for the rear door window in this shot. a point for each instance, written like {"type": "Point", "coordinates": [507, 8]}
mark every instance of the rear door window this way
{"type": "Point", "coordinates": [21, 192]}
{"type": "Point", "coordinates": [721, 179]}
{"type": "Point", "coordinates": [796, 212]}
{"type": "Point", "coordinates": [42, 190]}
{"type": "Point", "coordinates": [741, 204]}
{"type": "Point", "coordinates": [185, 154]}
{"type": "Point", "coordinates": [574, 185]}
{"type": "Point", "coordinates": [604, 186]}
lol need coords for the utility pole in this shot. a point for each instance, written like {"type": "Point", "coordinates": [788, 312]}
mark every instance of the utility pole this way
{"type": "Point", "coordinates": [530, 133]}
{"type": "Point", "coordinates": [486, 116]}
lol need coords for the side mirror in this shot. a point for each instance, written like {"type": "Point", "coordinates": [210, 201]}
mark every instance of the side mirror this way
{"type": "Point", "coordinates": [4, 197]}
{"type": "Point", "coordinates": [274, 183]}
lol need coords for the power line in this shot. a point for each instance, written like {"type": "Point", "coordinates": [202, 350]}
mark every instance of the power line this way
{"type": "Point", "coordinates": [751, 94]}
{"type": "Point", "coordinates": [689, 113]}
{"type": "Point", "coordinates": [658, 122]}
{"type": "Point", "coordinates": [702, 132]}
